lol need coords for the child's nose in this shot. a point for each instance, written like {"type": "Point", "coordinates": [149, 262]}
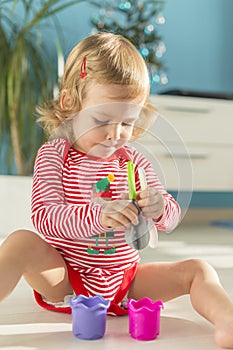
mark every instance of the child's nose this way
{"type": "Point", "coordinates": [114, 131]}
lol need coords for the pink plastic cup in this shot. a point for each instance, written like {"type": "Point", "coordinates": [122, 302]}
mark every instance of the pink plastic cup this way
{"type": "Point", "coordinates": [144, 318]}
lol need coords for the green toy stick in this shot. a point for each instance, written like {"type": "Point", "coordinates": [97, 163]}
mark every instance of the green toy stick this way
{"type": "Point", "coordinates": [138, 235]}
{"type": "Point", "coordinates": [131, 181]}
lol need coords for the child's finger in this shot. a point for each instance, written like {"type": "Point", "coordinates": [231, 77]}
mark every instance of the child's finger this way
{"type": "Point", "coordinates": [149, 201]}
{"type": "Point", "coordinates": [121, 212]}
{"type": "Point", "coordinates": [148, 192]}
{"type": "Point", "coordinates": [131, 213]}
{"type": "Point", "coordinates": [124, 195]}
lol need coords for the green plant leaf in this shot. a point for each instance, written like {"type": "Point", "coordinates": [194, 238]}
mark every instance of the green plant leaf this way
{"type": "Point", "coordinates": [27, 77]}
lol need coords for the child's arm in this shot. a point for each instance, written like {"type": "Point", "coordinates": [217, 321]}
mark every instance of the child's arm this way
{"type": "Point", "coordinates": [160, 206]}
{"type": "Point", "coordinates": [155, 201]}
{"type": "Point", "coordinates": [51, 215]}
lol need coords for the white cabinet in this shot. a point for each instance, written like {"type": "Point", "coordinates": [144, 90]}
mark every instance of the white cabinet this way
{"type": "Point", "coordinates": [191, 143]}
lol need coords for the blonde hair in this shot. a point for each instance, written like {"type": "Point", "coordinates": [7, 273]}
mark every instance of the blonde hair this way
{"type": "Point", "coordinates": [110, 59]}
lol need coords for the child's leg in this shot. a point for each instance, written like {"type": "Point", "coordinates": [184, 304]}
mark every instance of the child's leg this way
{"type": "Point", "coordinates": [26, 254]}
{"type": "Point", "coordinates": [166, 281]}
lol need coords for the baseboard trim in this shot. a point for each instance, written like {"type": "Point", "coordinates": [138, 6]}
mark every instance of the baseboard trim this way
{"type": "Point", "coordinates": [205, 215]}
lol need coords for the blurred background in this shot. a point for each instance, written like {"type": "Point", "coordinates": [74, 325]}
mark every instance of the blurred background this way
{"type": "Point", "coordinates": [197, 36]}
{"type": "Point", "coordinates": [187, 45]}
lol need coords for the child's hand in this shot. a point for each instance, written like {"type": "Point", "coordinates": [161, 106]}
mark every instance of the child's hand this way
{"type": "Point", "coordinates": [119, 213]}
{"type": "Point", "coordinates": [151, 203]}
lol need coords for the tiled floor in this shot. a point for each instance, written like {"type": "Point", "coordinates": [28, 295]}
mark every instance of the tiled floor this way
{"type": "Point", "coordinates": [25, 326]}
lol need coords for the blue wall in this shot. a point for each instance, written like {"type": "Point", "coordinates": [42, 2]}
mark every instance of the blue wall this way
{"type": "Point", "coordinates": [199, 39]}
{"type": "Point", "coordinates": [198, 35]}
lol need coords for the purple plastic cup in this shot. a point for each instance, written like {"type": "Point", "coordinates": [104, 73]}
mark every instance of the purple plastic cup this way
{"type": "Point", "coordinates": [89, 316]}
{"type": "Point", "coordinates": [144, 318]}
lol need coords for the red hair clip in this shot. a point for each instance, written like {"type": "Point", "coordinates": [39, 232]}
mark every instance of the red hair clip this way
{"type": "Point", "coordinates": [83, 68]}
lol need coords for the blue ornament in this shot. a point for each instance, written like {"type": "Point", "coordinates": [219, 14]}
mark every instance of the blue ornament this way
{"type": "Point", "coordinates": [156, 78]}
{"type": "Point", "coordinates": [125, 5]}
{"type": "Point", "coordinates": [144, 51]}
{"type": "Point", "coordinates": [149, 29]}
{"type": "Point", "coordinates": [95, 20]}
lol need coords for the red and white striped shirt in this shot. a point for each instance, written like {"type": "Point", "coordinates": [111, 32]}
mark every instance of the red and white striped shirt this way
{"type": "Point", "coordinates": [66, 206]}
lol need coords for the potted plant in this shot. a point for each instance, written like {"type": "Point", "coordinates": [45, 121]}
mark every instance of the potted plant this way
{"type": "Point", "coordinates": [27, 76]}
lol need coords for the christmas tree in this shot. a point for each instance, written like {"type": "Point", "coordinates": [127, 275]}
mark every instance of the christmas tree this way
{"type": "Point", "coordinates": [139, 22]}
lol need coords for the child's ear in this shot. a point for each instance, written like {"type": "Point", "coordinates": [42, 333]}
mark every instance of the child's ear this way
{"type": "Point", "coordinates": [65, 100]}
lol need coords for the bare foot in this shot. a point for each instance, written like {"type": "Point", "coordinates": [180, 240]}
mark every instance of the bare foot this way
{"type": "Point", "coordinates": [224, 336]}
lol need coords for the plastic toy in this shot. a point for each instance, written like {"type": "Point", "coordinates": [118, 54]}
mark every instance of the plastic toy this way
{"type": "Point", "coordinates": [89, 316]}
{"type": "Point", "coordinates": [137, 236]}
{"type": "Point", "coordinates": [144, 318]}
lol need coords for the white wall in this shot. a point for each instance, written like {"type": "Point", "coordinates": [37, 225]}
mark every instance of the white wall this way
{"type": "Point", "coordinates": [15, 194]}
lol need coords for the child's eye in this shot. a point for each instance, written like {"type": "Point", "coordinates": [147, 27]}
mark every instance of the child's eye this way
{"type": "Point", "coordinates": [101, 122]}
{"type": "Point", "coordinates": [127, 124]}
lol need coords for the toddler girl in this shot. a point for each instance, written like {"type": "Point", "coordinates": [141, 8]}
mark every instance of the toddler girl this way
{"type": "Point", "coordinates": [79, 203]}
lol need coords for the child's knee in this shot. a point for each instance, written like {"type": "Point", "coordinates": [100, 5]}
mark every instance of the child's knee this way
{"type": "Point", "coordinates": [21, 242]}
{"type": "Point", "coordinates": [200, 270]}
{"type": "Point", "coordinates": [20, 236]}
{"type": "Point", "coordinates": [202, 267]}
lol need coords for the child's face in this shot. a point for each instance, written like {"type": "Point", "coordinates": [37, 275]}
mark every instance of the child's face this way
{"type": "Point", "coordinates": [105, 123]}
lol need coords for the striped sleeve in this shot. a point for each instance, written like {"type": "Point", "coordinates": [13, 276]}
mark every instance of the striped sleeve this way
{"type": "Point", "coordinates": [51, 215]}
{"type": "Point", "coordinates": [172, 212]}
